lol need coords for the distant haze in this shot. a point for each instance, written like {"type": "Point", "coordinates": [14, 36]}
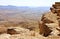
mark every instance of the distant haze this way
{"type": "Point", "coordinates": [22, 11]}
{"type": "Point", "coordinates": [31, 3]}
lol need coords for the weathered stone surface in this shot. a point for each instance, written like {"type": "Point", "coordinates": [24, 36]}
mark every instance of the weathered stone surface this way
{"type": "Point", "coordinates": [46, 20]}
{"type": "Point", "coordinates": [44, 29]}
{"type": "Point", "coordinates": [51, 16]}
{"type": "Point", "coordinates": [57, 3]}
{"type": "Point", "coordinates": [56, 6]}
{"type": "Point", "coordinates": [49, 24]}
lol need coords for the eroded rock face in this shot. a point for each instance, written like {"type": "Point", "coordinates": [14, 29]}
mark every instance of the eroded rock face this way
{"type": "Point", "coordinates": [49, 24]}
{"type": "Point", "coordinates": [44, 29]}
{"type": "Point", "coordinates": [46, 20]}
{"type": "Point", "coordinates": [51, 21]}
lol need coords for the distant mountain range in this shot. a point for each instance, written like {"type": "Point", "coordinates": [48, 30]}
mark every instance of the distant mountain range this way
{"type": "Point", "coordinates": [9, 7]}
{"type": "Point", "coordinates": [22, 11]}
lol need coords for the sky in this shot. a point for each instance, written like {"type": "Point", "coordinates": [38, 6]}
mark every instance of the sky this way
{"type": "Point", "coordinates": [33, 3]}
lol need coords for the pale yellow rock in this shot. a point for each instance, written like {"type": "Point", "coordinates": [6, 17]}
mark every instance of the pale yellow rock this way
{"type": "Point", "coordinates": [5, 36]}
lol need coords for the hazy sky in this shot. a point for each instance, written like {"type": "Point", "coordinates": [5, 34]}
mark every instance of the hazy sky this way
{"type": "Point", "coordinates": [35, 3]}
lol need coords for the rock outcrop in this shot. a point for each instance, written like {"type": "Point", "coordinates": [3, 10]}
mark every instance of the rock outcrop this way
{"type": "Point", "coordinates": [51, 21]}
